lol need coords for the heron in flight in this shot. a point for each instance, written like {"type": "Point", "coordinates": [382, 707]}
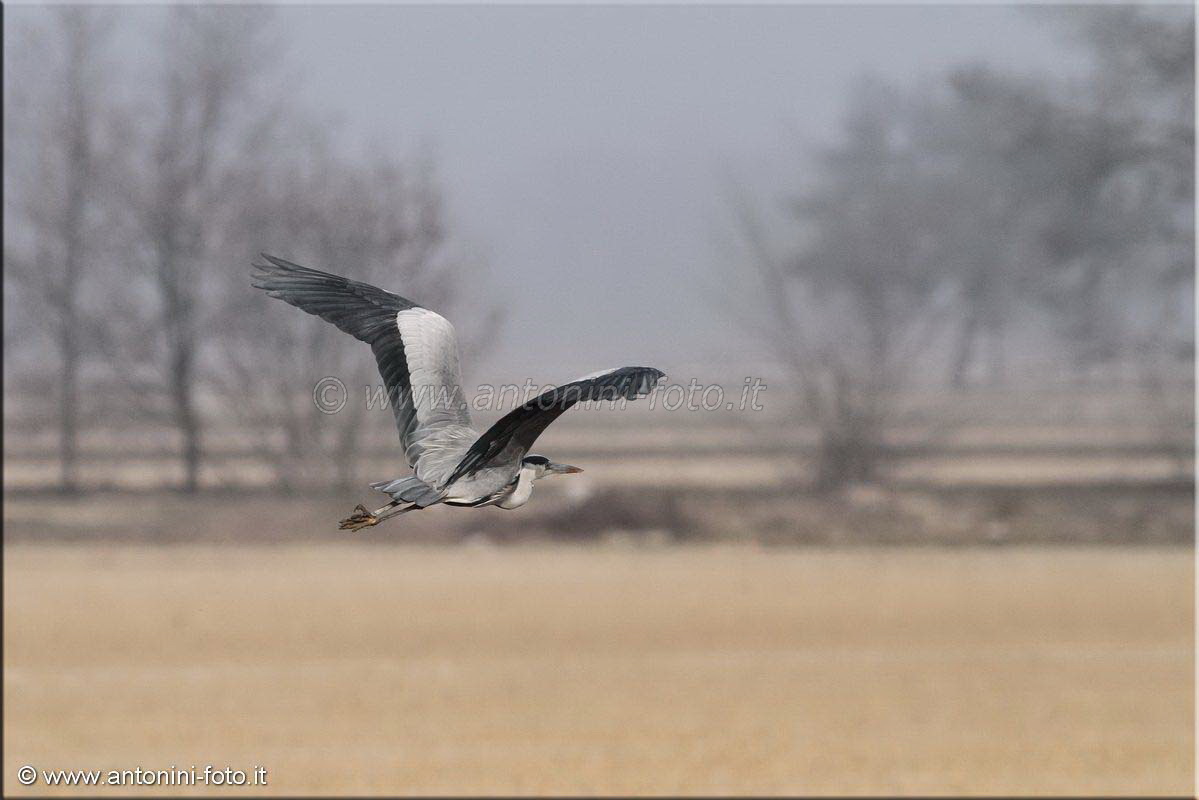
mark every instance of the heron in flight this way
{"type": "Point", "coordinates": [417, 354]}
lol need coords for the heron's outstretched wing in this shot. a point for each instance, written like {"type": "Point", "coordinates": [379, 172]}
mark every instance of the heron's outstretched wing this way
{"type": "Point", "coordinates": [415, 348]}
{"type": "Point", "coordinates": [519, 428]}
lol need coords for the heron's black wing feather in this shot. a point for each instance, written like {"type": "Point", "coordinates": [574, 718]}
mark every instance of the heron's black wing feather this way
{"type": "Point", "coordinates": [523, 425]}
{"type": "Point", "coordinates": [366, 312]}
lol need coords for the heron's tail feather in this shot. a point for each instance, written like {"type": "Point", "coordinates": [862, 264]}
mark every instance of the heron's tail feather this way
{"type": "Point", "coordinates": [410, 490]}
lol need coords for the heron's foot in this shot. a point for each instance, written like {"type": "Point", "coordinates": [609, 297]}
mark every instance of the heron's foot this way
{"type": "Point", "coordinates": [361, 518]}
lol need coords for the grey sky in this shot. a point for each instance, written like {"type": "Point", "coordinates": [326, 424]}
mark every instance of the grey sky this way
{"type": "Point", "coordinates": [582, 147]}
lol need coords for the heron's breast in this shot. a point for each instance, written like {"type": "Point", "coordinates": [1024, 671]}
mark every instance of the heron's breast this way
{"type": "Point", "coordinates": [521, 493]}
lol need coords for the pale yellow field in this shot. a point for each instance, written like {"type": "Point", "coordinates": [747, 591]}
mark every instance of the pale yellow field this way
{"type": "Point", "coordinates": [356, 669]}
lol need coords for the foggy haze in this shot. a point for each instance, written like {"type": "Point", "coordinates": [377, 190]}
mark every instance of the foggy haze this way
{"type": "Point", "coordinates": [873, 209]}
{"type": "Point", "coordinates": [583, 149]}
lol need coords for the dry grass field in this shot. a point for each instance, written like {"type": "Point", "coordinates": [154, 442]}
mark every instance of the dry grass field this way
{"type": "Point", "coordinates": [359, 669]}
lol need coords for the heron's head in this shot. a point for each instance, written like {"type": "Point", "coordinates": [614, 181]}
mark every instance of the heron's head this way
{"type": "Point", "coordinates": [543, 467]}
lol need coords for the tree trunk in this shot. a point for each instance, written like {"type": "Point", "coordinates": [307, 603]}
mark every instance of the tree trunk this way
{"type": "Point", "coordinates": [186, 420]}
{"type": "Point", "coordinates": [180, 378]}
{"type": "Point", "coordinates": [68, 426]}
{"type": "Point", "coordinates": [997, 370]}
{"type": "Point", "coordinates": [348, 445]}
{"type": "Point", "coordinates": [844, 458]}
{"type": "Point", "coordinates": [287, 465]}
{"type": "Point", "coordinates": [77, 190]}
{"type": "Point", "coordinates": [964, 352]}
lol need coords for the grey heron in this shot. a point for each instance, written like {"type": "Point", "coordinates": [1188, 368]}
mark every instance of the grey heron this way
{"type": "Point", "coordinates": [417, 354]}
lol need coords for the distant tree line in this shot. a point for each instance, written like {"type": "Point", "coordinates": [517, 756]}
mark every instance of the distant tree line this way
{"type": "Point", "coordinates": [983, 209]}
{"type": "Point", "coordinates": [150, 155]}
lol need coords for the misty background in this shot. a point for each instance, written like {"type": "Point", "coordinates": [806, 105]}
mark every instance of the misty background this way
{"type": "Point", "coordinates": [954, 242]}
{"type": "Point", "coordinates": [584, 150]}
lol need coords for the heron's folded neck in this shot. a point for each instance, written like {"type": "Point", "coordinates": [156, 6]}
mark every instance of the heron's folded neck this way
{"type": "Point", "coordinates": [522, 491]}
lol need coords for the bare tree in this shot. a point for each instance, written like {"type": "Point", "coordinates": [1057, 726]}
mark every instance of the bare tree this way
{"type": "Point", "coordinates": [974, 137]}
{"type": "Point", "coordinates": [1145, 81]}
{"type": "Point", "coordinates": [207, 123]}
{"type": "Point", "coordinates": [1146, 77]}
{"type": "Point", "coordinates": [1067, 202]}
{"type": "Point", "coordinates": [56, 195]}
{"type": "Point", "coordinates": [982, 195]}
{"type": "Point", "coordinates": [1118, 186]}
{"type": "Point", "coordinates": [852, 309]}
{"type": "Point", "coordinates": [377, 219]}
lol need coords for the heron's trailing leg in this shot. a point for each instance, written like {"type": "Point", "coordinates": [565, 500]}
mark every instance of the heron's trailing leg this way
{"type": "Point", "coordinates": [361, 518]}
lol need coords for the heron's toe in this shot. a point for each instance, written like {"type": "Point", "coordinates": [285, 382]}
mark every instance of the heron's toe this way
{"type": "Point", "coordinates": [361, 518]}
